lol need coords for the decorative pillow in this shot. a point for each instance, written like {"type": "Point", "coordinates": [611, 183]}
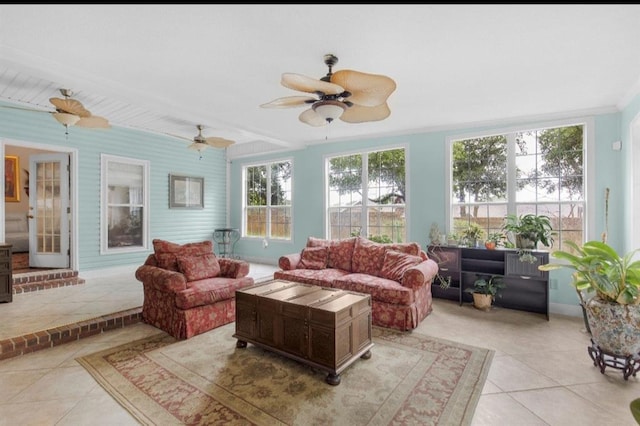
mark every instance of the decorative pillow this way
{"type": "Point", "coordinates": [198, 267]}
{"type": "Point", "coordinates": [407, 248]}
{"type": "Point", "coordinates": [314, 258]}
{"type": "Point", "coordinates": [340, 253]}
{"type": "Point", "coordinates": [367, 257]}
{"type": "Point", "coordinates": [166, 252]}
{"type": "Point", "coordinates": [395, 263]}
{"type": "Point", "coordinates": [317, 242]}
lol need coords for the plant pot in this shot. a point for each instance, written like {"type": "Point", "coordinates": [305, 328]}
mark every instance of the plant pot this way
{"type": "Point", "coordinates": [524, 243]}
{"type": "Point", "coordinates": [614, 327]}
{"type": "Point", "coordinates": [490, 245]}
{"type": "Point", "coordinates": [482, 301]}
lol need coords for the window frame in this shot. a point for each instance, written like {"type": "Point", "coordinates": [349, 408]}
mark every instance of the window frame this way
{"type": "Point", "coordinates": [268, 228]}
{"type": "Point", "coordinates": [105, 161]}
{"type": "Point", "coordinates": [364, 153]}
{"type": "Point", "coordinates": [588, 165]}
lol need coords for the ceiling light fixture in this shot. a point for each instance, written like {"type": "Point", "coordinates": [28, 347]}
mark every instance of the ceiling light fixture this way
{"type": "Point", "coordinates": [329, 109]}
{"type": "Point", "coordinates": [65, 118]}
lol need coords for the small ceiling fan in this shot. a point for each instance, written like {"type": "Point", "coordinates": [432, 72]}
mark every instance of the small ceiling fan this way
{"type": "Point", "coordinates": [351, 96]}
{"type": "Point", "coordinates": [200, 143]}
{"type": "Point", "coordinates": [70, 112]}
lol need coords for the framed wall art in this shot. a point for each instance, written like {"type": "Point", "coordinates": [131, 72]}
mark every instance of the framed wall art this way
{"type": "Point", "coordinates": [11, 178]}
{"type": "Point", "coordinates": [186, 192]}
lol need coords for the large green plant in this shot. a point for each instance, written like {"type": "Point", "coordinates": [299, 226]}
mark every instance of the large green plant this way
{"type": "Point", "coordinates": [487, 285]}
{"type": "Point", "coordinates": [598, 268]}
{"type": "Point", "coordinates": [535, 228]}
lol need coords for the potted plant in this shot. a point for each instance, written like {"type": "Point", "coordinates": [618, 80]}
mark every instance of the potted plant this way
{"type": "Point", "coordinates": [473, 234]}
{"type": "Point", "coordinates": [494, 240]}
{"type": "Point", "coordinates": [484, 290]}
{"type": "Point", "coordinates": [527, 231]}
{"type": "Point", "coordinates": [613, 309]}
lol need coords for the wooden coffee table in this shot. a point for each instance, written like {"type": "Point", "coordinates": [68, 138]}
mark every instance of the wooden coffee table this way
{"type": "Point", "coordinates": [322, 327]}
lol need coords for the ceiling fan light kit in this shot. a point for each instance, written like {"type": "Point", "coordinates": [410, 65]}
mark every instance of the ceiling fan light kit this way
{"type": "Point", "coordinates": [329, 110]}
{"type": "Point", "coordinates": [65, 118]}
{"type": "Point", "coordinates": [351, 96]}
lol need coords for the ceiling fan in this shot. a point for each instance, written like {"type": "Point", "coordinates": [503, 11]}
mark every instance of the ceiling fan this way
{"type": "Point", "coordinates": [70, 112]}
{"type": "Point", "coordinates": [351, 96]}
{"type": "Point", "coordinates": [200, 143]}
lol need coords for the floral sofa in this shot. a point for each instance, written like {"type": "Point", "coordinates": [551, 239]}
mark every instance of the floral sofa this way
{"type": "Point", "coordinates": [188, 290]}
{"type": "Point", "coordinates": [397, 276]}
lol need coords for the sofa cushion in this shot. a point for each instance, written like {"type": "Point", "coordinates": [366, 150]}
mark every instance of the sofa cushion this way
{"type": "Point", "coordinates": [367, 257]}
{"type": "Point", "coordinates": [314, 258]}
{"type": "Point", "coordinates": [395, 263]}
{"type": "Point", "coordinates": [210, 291]}
{"type": "Point", "coordinates": [198, 267]}
{"type": "Point", "coordinates": [381, 289]}
{"type": "Point", "coordinates": [166, 252]}
{"type": "Point", "coordinates": [340, 251]}
{"type": "Point", "coordinates": [321, 277]}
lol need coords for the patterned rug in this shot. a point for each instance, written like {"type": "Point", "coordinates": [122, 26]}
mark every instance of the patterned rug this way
{"type": "Point", "coordinates": [410, 379]}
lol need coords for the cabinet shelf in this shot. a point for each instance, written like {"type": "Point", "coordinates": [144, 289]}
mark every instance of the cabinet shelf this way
{"type": "Point", "coordinates": [527, 288]}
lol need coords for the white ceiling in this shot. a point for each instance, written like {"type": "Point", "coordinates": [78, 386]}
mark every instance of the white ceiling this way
{"type": "Point", "coordinates": [167, 68]}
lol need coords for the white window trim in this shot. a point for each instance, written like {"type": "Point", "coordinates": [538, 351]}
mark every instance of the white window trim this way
{"type": "Point", "coordinates": [364, 152]}
{"type": "Point", "coordinates": [105, 159]}
{"type": "Point", "coordinates": [267, 238]}
{"type": "Point", "coordinates": [589, 163]}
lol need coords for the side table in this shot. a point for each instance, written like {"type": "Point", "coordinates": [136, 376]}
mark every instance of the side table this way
{"type": "Point", "coordinates": [226, 239]}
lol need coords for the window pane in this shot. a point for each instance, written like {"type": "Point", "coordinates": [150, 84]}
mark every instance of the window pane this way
{"type": "Point", "coordinates": [384, 175]}
{"type": "Point", "coordinates": [548, 165]}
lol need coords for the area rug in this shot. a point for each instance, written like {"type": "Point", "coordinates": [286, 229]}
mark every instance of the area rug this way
{"type": "Point", "coordinates": [410, 379]}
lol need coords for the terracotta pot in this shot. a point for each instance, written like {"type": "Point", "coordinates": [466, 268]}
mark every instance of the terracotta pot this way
{"type": "Point", "coordinates": [490, 245]}
{"type": "Point", "coordinates": [482, 301]}
{"type": "Point", "coordinates": [614, 327]}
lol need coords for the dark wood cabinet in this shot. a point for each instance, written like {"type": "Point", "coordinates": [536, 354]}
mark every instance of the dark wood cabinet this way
{"type": "Point", "coordinates": [527, 288]}
{"type": "Point", "coordinates": [6, 274]}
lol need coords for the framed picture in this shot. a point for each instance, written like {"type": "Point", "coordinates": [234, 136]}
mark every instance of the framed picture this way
{"type": "Point", "coordinates": [11, 178]}
{"type": "Point", "coordinates": [186, 192]}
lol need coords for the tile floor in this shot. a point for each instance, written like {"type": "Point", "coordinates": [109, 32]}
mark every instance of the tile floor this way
{"type": "Point", "coordinates": [541, 373]}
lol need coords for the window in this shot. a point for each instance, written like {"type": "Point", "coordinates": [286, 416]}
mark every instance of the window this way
{"type": "Point", "coordinates": [125, 199]}
{"type": "Point", "coordinates": [367, 197]}
{"type": "Point", "coordinates": [539, 171]}
{"type": "Point", "coordinates": [267, 200]}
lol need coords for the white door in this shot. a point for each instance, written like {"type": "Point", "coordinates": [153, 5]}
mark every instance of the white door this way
{"type": "Point", "coordinates": [49, 211]}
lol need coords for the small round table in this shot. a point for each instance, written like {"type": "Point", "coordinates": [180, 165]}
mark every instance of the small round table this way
{"type": "Point", "coordinates": [226, 239]}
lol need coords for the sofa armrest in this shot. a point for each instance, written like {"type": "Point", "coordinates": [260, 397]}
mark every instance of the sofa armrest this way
{"type": "Point", "coordinates": [289, 262]}
{"type": "Point", "coordinates": [418, 275]}
{"type": "Point", "coordinates": [161, 279]}
{"type": "Point", "coordinates": [233, 268]}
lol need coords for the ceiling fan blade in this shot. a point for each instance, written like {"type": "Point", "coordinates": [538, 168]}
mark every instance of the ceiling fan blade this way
{"type": "Point", "coordinates": [70, 106]}
{"type": "Point", "coordinates": [219, 142]}
{"type": "Point", "coordinates": [93, 122]}
{"type": "Point", "coordinates": [361, 114]}
{"type": "Point", "coordinates": [312, 118]}
{"type": "Point", "coordinates": [289, 102]}
{"type": "Point", "coordinates": [311, 85]}
{"type": "Point", "coordinates": [366, 89]}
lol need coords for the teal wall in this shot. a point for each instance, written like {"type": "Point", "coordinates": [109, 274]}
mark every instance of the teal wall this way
{"type": "Point", "coordinates": [166, 155]}
{"type": "Point", "coordinates": [425, 186]}
{"type": "Point", "coordinates": [426, 198]}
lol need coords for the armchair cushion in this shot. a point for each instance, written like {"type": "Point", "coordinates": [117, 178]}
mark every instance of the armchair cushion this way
{"type": "Point", "coordinates": [314, 257]}
{"type": "Point", "coordinates": [395, 264]}
{"type": "Point", "coordinates": [166, 252]}
{"type": "Point", "coordinates": [200, 267]}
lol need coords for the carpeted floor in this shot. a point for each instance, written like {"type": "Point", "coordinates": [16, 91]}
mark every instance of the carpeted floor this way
{"type": "Point", "coordinates": [409, 379]}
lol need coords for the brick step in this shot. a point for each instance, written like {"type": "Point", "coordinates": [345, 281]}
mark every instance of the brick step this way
{"type": "Point", "coordinates": [45, 279]}
{"type": "Point", "coordinates": [39, 340]}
